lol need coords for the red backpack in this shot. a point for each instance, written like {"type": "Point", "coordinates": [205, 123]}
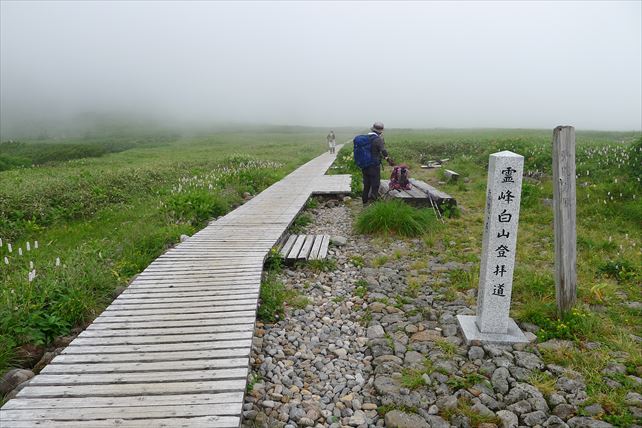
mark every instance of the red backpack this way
{"type": "Point", "coordinates": [400, 178]}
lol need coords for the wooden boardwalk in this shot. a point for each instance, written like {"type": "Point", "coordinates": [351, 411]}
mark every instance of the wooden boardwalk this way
{"type": "Point", "coordinates": [173, 349]}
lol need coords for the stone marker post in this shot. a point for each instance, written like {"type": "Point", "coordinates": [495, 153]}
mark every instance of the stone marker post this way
{"type": "Point", "coordinates": [564, 218]}
{"type": "Point", "coordinates": [503, 193]}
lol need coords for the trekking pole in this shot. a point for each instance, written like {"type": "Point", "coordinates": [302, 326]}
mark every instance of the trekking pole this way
{"type": "Point", "coordinates": [437, 212]}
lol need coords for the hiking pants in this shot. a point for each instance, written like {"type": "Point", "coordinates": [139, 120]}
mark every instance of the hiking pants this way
{"type": "Point", "coordinates": [371, 179]}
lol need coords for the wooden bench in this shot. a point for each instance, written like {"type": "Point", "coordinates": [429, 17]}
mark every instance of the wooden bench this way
{"type": "Point", "coordinates": [420, 193]}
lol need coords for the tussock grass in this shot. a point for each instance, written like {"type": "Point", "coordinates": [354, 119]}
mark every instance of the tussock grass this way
{"type": "Point", "coordinates": [395, 218]}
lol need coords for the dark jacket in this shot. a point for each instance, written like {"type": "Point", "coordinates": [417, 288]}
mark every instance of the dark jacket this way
{"type": "Point", "coordinates": [378, 148]}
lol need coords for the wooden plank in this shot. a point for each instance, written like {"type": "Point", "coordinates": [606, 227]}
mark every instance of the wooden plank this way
{"type": "Point", "coordinates": [230, 300]}
{"type": "Point", "coordinates": [128, 294]}
{"type": "Point", "coordinates": [384, 189]}
{"type": "Point", "coordinates": [119, 378]}
{"type": "Point", "coordinates": [142, 357]}
{"type": "Point", "coordinates": [325, 243]}
{"type": "Point", "coordinates": [136, 401]}
{"type": "Point", "coordinates": [288, 246]}
{"type": "Point", "coordinates": [152, 366]}
{"type": "Point", "coordinates": [151, 348]}
{"type": "Point", "coordinates": [197, 422]}
{"type": "Point", "coordinates": [108, 318]}
{"type": "Point", "coordinates": [306, 247]}
{"type": "Point", "coordinates": [133, 340]}
{"type": "Point", "coordinates": [126, 312]}
{"type": "Point", "coordinates": [110, 332]}
{"type": "Point", "coordinates": [125, 412]}
{"type": "Point", "coordinates": [172, 324]}
{"type": "Point", "coordinates": [296, 248]}
{"type": "Point", "coordinates": [147, 300]}
{"type": "Point", "coordinates": [120, 390]}
{"type": "Point", "coordinates": [314, 253]}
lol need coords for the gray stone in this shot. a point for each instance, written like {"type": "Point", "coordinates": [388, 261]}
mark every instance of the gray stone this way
{"type": "Point", "coordinates": [593, 410]}
{"type": "Point", "coordinates": [569, 385]}
{"type": "Point", "coordinates": [521, 407]}
{"type": "Point", "coordinates": [534, 418]}
{"type": "Point", "coordinates": [633, 399]}
{"type": "Point", "coordinates": [436, 421]}
{"type": "Point", "coordinates": [564, 411]}
{"type": "Point", "coordinates": [586, 422]}
{"type": "Point", "coordinates": [555, 422]}
{"type": "Point", "coordinates": [358, 418]}
{"type": "Point", "coordinates": [614, 369]}
{"type": "Point", "coordinates": [539, 403]}
{"type": "Point", "coordinates": [476, 353]}
{"type": "Point", "coordinates": [386, 385]}
{"type": "Point", "coordinates": [507, 419]}
{"type": "Point", "coordinates": [528, 360]}
{"type": "Point", "coordinates": [499, 380]}
{"type": "Point", "coordinates": [482, 410]}
{"type": "Point", "coordinates": [339, 241]}
{"type": "Point", "coordinates": [448, 402]}
{"type": "Point", "coordinates": [555, 399]}
{"type": "Point", "coordinates": [375, 332]}
{"type": "Point", "coordinates": [399, 419]}
{"type": "Point", "coordinates": [306, 422]}
{"type": "Point", "coordinates": [13, 378]}
{"type": "Point", "coordinates": [414, 359]}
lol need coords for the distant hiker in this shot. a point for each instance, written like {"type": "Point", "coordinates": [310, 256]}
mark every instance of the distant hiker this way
{"type": "Point", "coordinates": [368, 151]}
{"type": "Point", "coordinates": [331, 141]}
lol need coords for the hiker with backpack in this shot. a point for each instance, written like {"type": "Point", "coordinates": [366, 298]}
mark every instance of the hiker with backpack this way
{"type": "Point", "coordinates": [369, 150]}
{"type": "Point", "coordinates": [332, 143]}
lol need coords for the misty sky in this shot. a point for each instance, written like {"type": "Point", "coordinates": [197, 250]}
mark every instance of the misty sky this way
{"type": "Point", "coordinates": [430, 64]}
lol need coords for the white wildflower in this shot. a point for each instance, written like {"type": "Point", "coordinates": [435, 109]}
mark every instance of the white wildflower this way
{"type": "Point", "coordinates": [35, 244]}
{"type": "Point", "coordinates": [57, 261]}
{"type": "Point", "coordinates": [30, 264]}
{"type": "Point", "coordinates": [9, 247]}
{"type": "Point", "coordinates": [28, 246]}
{"type": "Point", "coordinates": [19, 251]}
{"type": "Point", "coordinates": [6, 261]}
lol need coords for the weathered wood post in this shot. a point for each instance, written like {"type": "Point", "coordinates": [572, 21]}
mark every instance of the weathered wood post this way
{"type": "Point", "coordinates": [564, 217]}
{"type": "Point", "coordinates": [503, 193]}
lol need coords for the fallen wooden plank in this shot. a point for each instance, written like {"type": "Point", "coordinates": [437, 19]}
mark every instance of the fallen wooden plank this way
{"type": "Point", "coordinates": [288, 246]}
{"type": "Point", "coordinates": [307, 246]}
{"type": "Point", "coordinates": [323, 250]}
{"type": "Point", "coordinates": [314, 253]}
{"type": "Point", "coordinates": [171, 324]}
{"type": "Point", "coordinates": [296, 248]}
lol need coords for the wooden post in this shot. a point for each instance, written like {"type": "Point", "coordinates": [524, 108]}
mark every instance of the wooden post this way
{"type": "Point", "coordinates": [564, 208]}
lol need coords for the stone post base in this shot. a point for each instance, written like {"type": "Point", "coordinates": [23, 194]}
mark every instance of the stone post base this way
{"type": "Point", "coordinates": [472, 333]}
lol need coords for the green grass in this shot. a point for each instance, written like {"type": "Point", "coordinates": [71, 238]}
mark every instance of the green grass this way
{"type": "Point", "coordinates": [395, 218]}
{"type": "Point", "coordinates": [107, 217]}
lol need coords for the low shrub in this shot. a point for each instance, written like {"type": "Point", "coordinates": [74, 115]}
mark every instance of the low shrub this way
{"type": "Point", "coordinates": [395, 218]}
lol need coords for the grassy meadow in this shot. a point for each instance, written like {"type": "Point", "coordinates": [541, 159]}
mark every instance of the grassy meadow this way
{"type": "Point", "coordinates": [101, 209]}
{"type": "Point", "coordinates": [605, 325]}
{"type": "Point", "coordinates": [79, 218]}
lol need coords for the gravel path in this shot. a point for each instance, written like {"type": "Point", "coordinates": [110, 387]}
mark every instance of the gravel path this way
{"type": "Point", "coordinates": [386, 338]}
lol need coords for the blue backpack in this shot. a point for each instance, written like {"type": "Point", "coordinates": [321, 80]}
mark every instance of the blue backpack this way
{"type": "Point", "coordinates": [363, 150]}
